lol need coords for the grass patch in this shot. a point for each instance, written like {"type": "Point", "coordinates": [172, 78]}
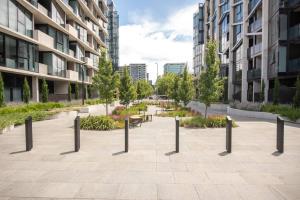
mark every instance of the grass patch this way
{"type": "Point", "coordinates": [179, 111]}
{"type": "Point", "coordinates": [133, 110]}
{"type": "Point", "coordinates": [212, 121]}
{"type": "Point", "coordinates": [94, 101]}
{"type": "Point", "coordinates": [283, 110]}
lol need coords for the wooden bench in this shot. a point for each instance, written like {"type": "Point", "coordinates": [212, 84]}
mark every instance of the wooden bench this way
{"type": "Point", "coordinates": [135, 120]}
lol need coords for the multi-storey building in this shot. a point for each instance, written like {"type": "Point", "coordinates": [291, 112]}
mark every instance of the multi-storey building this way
{"type": "Point", "coordinates": [113, 34]}
{"type": "Point", "coordinates": [136, 71]}
{"type": "Point", "coordinates": [176, 68]}
{"type": "Point", "coordinates": [55, 40]}
{"type": "Point", "coordinates": [198, 38]}
{"type": "Point", "coordinates": [258, 41]}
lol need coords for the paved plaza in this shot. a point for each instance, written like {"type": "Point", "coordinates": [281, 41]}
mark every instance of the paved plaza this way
{"type": "Point", "coordinates": [151, 170]}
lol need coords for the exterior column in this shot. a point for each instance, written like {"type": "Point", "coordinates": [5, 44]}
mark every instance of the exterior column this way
{"type": "Point", "coordinates": [230, 68]}
{"type": "Point", "coordinates": [244, 88]}
{"type": "Point", "coordinates": [265, 39]}
{"type": "Point", "coordinates": [35, 89]}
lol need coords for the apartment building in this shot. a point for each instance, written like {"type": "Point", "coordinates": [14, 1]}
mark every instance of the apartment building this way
{"type": "Point", "coordinates": [136, 71]}
{"type": "Point", "coordinates": [258, 41]}
{"type": "Point", "coordinates": [113, 34]}
{"type": "Point", "coordinates": [176, 68]}
{"type": "Point", "coordinates": [198, 38]}
{"type": "Point", "coordinates": [55, 40]}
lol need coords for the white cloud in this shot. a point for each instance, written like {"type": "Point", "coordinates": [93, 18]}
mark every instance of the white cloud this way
{"type": "Point", "coordinates": [150, 42]}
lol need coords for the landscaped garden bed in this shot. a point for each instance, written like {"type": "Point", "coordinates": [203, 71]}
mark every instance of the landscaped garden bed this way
{"type": "Point", "coordinates": [212, 121]}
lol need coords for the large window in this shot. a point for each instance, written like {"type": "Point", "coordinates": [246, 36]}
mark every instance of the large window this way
{"type": "Point", "coordinates": [238, 13]}
{"type": "Point", "coordinates": [2, 60]}
{"type": "Point", "coordinates": [56, 64]}
{"type": "Point", "coordinates": [23, 55]}
{"type": "Point", "coordinates": [11, 52]}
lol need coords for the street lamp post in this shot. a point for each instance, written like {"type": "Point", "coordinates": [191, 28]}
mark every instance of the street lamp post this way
{"type": "Point", "coordinates": [82, 85]}
{"type": "Point", "coordinates": [156, 77]}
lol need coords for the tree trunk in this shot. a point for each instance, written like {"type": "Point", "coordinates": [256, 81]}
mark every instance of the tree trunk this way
{"type": "Point", "coordinates": [205, 111]}
{"type": "Point", "coordinates": [106, 105]}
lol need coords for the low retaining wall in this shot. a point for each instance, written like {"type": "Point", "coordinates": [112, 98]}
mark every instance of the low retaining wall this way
{"type": "Point", "coordinates": [200, 107]}
{"type": "Point", "coordinates": [251, 114]}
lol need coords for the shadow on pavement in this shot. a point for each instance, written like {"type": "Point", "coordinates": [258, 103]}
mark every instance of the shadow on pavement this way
{"type": "Point", "coordinates": [68, 152]}
{"type": "Point", "coordinates": [276, 153]}
{"type": "Point", "coordinates": [224, 153]}
{"type": "Point", "coordinates": [16, 152]}
{"type": "Point", "coordinates": [170, 153]}
{"type": "Point", "coordinates": [118, 153]}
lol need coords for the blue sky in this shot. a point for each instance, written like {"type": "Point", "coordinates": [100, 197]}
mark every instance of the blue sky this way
{"type": "Point", "coordinates": [156, 31]}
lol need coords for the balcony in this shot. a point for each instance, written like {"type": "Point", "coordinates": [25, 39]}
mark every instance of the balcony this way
{"type": "Point", "coordinates": [254, 50]}
{"type": "Point", "coordinates": [72, 53]}
{"type": "Point", "coordinates": [43, 38]}
{"type": "Point", "coordinates": [254, 74]}
{"type": "Point", "coordinates": [255, 26]}
{"type": "Point", "coordinates": [72, 75]}
{"type": "Point", "coordinates": [89, 61]}
{"type": "Point", "coordinates": [294, 65]}
{"type": "Point", "coordinates": [43, 69]}
{"type": "Point", "coordinates": [294, 32]}
{"type": "Point", "coordinates": [252, 4]}
{"type": "Point", "coordinates": [72, 30]}
{"type": "Point", "coordinates": [42, 9]}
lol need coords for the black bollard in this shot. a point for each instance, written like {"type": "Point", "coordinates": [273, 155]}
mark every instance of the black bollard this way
{"type": "Point", "coordinates": [177, 133]}
{"type": "Point", "coordinates": [77, 133]}
{"type": "Point", "coordinates": [126, 133]}
{"type": "Point", "coordinates": [280, 134]}
{"type": "Point", "coordinates": [28, 133]}
{"type": "Point", "coordinates": [228, 134]}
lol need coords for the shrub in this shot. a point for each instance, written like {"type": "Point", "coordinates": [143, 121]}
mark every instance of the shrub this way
{"type": "Point", "coordinates": [283, 110]}
{"type": "Point", "coordinates": [276, 92]}
{"type": "Point", "coordinates": [94, 101]}
{"type": "Point", "coordinates": [213, 121]}
{"type": "Point", "coordinates": [1, 91]}
{"type": "Point", "coordinates": [45, 91]}
{"type": "Point", "coordinates": [26, 91]}
{"type": "Point", "coordinates": [297, 95]}
{"type": "Point", "coordinates": [180, 112]}
{"type": "Point", "coordinates": [100, 123]}
{"type": "Point", "coordinates": [76, 91]}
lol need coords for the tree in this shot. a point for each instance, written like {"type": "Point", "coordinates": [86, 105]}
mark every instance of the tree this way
{"type": "Point", "coordinates": [165, 84]}
{"type": "Point", "coordinates": [262, 91]}
{"type": "Point", "coordinates": [45, 91]}
{"type": "Point", "coordinates": [127, 89]}
{"type": "Point", "coordinates": [143, 89]}
{"type": "Point", "coordinates": [186, 88]}
{"type": "Point", "coordinates": [210, 85]}
{"type": "Point", "coordinates": [276, 92]}
{"type": "Point", "coordinates": [69, 92]}
{"type": "Point", "coordinates": [105, 80]}
{"type": "Point", "coordinates": [1, 91]}
{"type": "Point", "coordinates": [297, 95]}
{"type": "Point", "coordinates": [26, 91]}
{"type": "Point", "coordinates": [76, 91]}
{"type": "Point", "coordinates": [175, 91]}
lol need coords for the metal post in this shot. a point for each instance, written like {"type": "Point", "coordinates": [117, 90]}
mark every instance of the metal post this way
{"type": "Point", "coordinates": [177, 133]}
{"type": "Point", "coordinates": [228, 134]}
{"type": "Point", "coordinates": [280, 134]}
{"type": "Point", "coordinates": [126, 133]}
{"type": "Point", "coordinates": [77, 133]}
{"type": "Point", "coordinates": [82, 86]}
{"type": "Point", "coordinates": [28, 133]}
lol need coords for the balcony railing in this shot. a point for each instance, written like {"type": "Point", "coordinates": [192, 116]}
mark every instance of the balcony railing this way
{"type": "Point", "coordinates": [294, 65]}
{"type": "Point", "coordinates": [253, 74]}
{"type": "Point", "coordinates": [294, 32]}
{"type": "Point", "coordinates": [252, 4]}
{"type": "Point", "coordinates": [254, 50]}
{"type": "Point", "coordinates": [293, 2]}
{"type": "Point", "coordinates": [255, 26]}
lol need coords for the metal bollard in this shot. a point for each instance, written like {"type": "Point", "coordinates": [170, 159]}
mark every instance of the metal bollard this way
{"type": "Point", "coordinates": [77, 133]}
{"type": "Point", "coordinates": [228, 134]}
{"type": "Point", "coordinates": [126, 133]}
{"type": "Point", "coordinates": [177, 133]}
{"type": "Point", "coordinates": [280, 134]}
{"type": "Point", "coordinates": [28, 133]}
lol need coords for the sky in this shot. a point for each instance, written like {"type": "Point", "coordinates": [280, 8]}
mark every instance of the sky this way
{"type": "Point", "coordinates": [156, 31]}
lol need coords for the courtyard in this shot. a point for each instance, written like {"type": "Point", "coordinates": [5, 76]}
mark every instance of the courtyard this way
{"type": "Point", "coordinates": [151, 169]}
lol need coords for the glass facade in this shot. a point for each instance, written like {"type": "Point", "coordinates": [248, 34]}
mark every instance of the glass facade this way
{"type": "Point", "coordinates": [16, 17]}
{"type": "Point", "coordinates": [19, 54]}
{"type": "Point", "coordinates": [57, 65]}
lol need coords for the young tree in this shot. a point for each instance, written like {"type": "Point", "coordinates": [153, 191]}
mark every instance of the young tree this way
{"type": "Point", "coordinates": [297, 95]}
{"type": "Point", "coordinates": [210, 85]}
{"type": "Point", "coordinates": [186, 88]}
{"type": "Point", "coordinates": [276, 92]}
{"type": "Point", "coordinates": [1, 91]}
{"type": "Point", "coordinates": [262, 91]}
{"type": "Point", "coordinates": [175, 92]}
{"type": "Point", "coordinates": [143, 89]}
{"type": "Point", "coordinates": [76, 91]}
{"type": "Point", "coordinates": [26, 91]}
{"type": "Point", "coordinates": [165, 84]}
{"type": "Point", "coordinates": [69, 92]}
{"type": "Point", "coordinates": [45, 91]}
{"type": "Point", "coordinates": [105, 80]}
{"type": "Point", "coordinates": [127, 89]}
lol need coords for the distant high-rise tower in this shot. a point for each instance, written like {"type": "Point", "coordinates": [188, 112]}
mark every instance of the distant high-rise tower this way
{"type": "Point", "coordinates": [113, 34]}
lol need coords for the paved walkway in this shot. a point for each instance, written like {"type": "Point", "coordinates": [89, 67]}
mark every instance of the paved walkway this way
{"type": "Point", "coordinates": [151, 170]}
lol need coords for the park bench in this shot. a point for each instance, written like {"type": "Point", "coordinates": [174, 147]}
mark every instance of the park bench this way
{"type": "Point", "coordinates": [135, 120]}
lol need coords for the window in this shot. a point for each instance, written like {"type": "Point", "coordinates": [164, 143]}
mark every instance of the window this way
{"type": "Point", "coordinates": [4, 13]}
{"type": "Point", "coordinates": [2, 61]}
{"type": "Point", "coordinates": [59, 41]}
{"type": "Point", "coordinates": [13, 14]}
{"type": "Point", "coordinates": [23, 55]}
{"type": "Point", "coordinates": [11, 52]}
{"type": "Point", "coordinates": [21, 22]}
